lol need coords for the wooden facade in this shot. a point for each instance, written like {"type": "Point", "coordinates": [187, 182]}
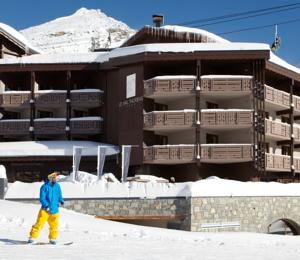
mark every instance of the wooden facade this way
{"type": "Point", "coordinates": [187, 114]}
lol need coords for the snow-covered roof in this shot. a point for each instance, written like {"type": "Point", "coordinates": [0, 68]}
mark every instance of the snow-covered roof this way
{"type": "Point", "coordinates": [282, 63]}
{"type": "Point", "coordinates": [17, 37]}
{"type": "Point", "coordinates": [100, 57]}
{"type": "Point", "coordinates": [188, 48]}
{"type": "Point", "coordinates": [184, 29]}
{"type": "Point", "coordinates": [52, 148]}
{"type": "Point", "coordinates": [62, 58]}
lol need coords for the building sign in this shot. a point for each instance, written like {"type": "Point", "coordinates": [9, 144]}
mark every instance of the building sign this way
{"type": "Point", "coordinates": [131, 85]}
{"type": "Point", "coordinates": [221, 225]}
{"type": "Point", "coordinates": [130, 102]}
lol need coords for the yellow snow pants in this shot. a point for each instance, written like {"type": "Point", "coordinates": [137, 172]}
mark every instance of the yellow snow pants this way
{"type": "Point", "coordinates": [40, 222]}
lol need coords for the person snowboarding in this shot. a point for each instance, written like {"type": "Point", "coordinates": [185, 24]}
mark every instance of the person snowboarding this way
{"type": "Point", "coordinates": [50, 198]}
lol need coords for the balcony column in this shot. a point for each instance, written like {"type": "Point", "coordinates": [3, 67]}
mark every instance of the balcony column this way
{"type": "Point", "coordinates": [1, 48]}
{"type": "Point", "coordinates": [68, 108]}
{"type": "Point", "coordinates": [2, 85]}
{"type": "Point", "coordinates": [292, 143]}
{"type": "Point", "coordinates": [32, 105]}
{"type": "Point", "coordinates": [198, 113]}
{"type": "Point", "coordinates": [263, 116]}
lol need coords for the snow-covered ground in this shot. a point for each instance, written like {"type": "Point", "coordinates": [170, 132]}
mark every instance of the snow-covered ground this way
{"type": "Point", "coordinates": [78, 32]}
{"type": "Point", "coordinates": [89, 186]}
{"type": "Point", "coordinates": [102, 239]}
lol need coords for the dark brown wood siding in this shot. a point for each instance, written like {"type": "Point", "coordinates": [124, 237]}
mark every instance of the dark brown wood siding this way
{"type": "Point", "coordinates": [131, 112]}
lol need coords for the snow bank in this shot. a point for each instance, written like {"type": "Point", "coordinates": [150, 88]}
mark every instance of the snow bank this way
{"type": "Point", "coordinates": [88, 186]}
{"type": "Point", "coordinates": [52, 148]}
{"type": "Point", "coordinates": [114, 240]}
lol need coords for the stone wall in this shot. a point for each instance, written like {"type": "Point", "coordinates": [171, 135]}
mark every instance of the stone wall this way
{"type": "Point", "coordinates": [246, 214]}
{"type": "Point", "coordinates": [168, 209]}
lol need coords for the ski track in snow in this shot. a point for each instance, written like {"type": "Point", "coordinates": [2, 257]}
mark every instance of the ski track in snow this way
{"type": "Point", "coordinates": [101, 239]}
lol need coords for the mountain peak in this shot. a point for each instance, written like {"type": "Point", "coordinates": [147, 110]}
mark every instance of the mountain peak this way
{"type": "Point", "coordinates": [85, 11]}
{"type": "Point", "coordinates": [80, 32]}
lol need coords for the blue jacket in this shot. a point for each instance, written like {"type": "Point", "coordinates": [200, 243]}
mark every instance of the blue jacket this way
{"type": "Point", "coordinates": [50, 196]}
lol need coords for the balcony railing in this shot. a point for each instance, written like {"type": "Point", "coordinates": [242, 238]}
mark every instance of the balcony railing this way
{"type": "Point", "coordinates": [226, 153]}
{"type": "Point", "coordinates": [170, 154]}
{"type": "Point", "coordinates": [280, 98]}
{"type": "Point", "coordinates": [86, 125]}
{"type": "Point", "coordinates": [52, 98]}
{"type": "Point", "coordinates": [166, 85]}
{"type": "Point", "coordinates": [50, 126]}
{"type": "Point", "coordinates": [170, 119]}
{"type": "Point", "coordinates": [229, 118]}
{"type": "Point", "coordinates": [277, 130]}
{"type": "Point", "coordinates": [14, 98]}
{"type": "Point", "coordinates": [87, 97]}
{"type": "Point", "coordinates": [278, 162]}
{"type": "Point", "coordinates": [226, 83]}
{"type": "Point", "coordinates": [210, 153]}
{"type": "Point", "coordinates": [14, 127]}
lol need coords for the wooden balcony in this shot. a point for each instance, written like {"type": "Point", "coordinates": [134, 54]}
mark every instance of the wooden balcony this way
{"type": "Point", "coordinates": [87, 98]}
{"type": "Point", "coordinates": [297, 164]}
{"type": "Point", "coordinates": [226, 119]}
{"type": "Point", "coordinates": [50, 98]}
{"type": "Point", "coordinates": [226, 153]}
{"type": "Point", "coordinates": [170, 120]}
{"type": "Point", "coordinates": [50, 126]}
{"type": "Point", "coordinates": [278, 162]}
{"type": "Point", "coordinates": [16, 127]}
{"type": "Point", "coordinates": [210, 153]}
{"type": "Point", "coordinates": [277, 130]}
{"type": "Point", "coordinates": [86, 126]}
{"type": "Point", "coordinates": [15, 99]}
{"type": "Point", "coordinates": [170, 154]}
{"type": "Point", "coordinates": [276, 100]}
{"type": "Point", "coordinates": [170, 86]}
{"type": "Point", "coordinates": [226, 85]}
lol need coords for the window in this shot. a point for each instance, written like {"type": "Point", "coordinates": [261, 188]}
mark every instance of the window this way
{"type": "Point", "coordinates": [212, 139]}
{"type": "Point", "coordinates": [285, 150]}
{"type": "Point", "coordinates": [80, 113]}
{"type": "Point", "coordinates": [11, 115]}
{"type": "Point", "coordinates": [44, 114]}
{"type": "Point", "coordinates": [211, 105]}
{"type": "Point", "coordinates": [285, 119]}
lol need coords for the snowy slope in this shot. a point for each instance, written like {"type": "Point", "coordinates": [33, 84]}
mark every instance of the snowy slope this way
{"type": "Point", "coordinates": [101, 239]}
{"type": "Point", "coordinates": [75, 33]}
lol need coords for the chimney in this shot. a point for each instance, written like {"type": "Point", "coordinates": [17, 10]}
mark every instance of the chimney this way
{"type": "Point", "coordinates": [158, 20]}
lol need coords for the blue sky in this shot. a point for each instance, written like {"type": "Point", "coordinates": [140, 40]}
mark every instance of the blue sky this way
{"type": "Point", "coordinates": [136, 13]}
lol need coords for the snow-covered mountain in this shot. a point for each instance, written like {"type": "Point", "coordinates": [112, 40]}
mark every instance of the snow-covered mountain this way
{"type": "Point", "coordinates": [80, 32]}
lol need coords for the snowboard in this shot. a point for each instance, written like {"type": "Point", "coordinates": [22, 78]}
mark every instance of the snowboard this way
{"type": "Point", "coordinates": [21, 242]}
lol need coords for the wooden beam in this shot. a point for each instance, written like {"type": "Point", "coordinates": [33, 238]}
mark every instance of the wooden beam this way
{"type": "Point", "coordinates": [296, 117]}
{"type": "Point", "coordinates": [283, 112]}
{"type": "Point", "coordinates": [143, 218]}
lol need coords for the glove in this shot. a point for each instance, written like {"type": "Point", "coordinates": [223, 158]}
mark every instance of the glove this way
{"type": "Point", "coordinates": [48, 210]}
{"type": "Point", "coordinates": [62, 204]}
